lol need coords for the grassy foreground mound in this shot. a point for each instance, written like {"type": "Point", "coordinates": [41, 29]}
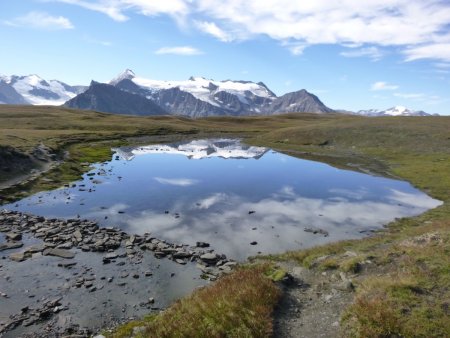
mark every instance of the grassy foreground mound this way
{"type": "Point", "coordinates": [401, 275]}
{"type": "Point", "coordinates": [231, 307]}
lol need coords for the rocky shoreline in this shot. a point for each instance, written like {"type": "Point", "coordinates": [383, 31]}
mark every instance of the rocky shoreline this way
{"type": "Point", "coordinates": [65, 239]}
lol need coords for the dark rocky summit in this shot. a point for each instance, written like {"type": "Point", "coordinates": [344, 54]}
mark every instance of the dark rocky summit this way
{"type": "Point", "coordinates": [299, 101]}
{"type": "Point", "coordinates": [106, 98]}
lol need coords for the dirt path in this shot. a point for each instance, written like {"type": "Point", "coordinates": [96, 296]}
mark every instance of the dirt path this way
{"type": "Point", "coordinates": [312, 303]}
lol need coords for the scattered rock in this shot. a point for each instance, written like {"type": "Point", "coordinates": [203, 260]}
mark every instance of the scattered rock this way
{"type": "Point", "coordinates": [202, 245]}
{"type": "Point", "coordinates": [67, 265]}
{"type": "Point", "coordinates": [58, 253]}
{"type": "Point", "coordinates": [13, 236]}
{"type": "Point", "coordinates": [10, 245]}
{"type": "Point", "coordinates": [209, 257]}
{"type": "Point", "coordinates": [18, 256]}
{"type": "Point", "coordinates": [317, 231]}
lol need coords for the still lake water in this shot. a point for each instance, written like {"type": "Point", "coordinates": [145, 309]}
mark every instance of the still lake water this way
{"type": "Point", "coordinates": [230, 195]}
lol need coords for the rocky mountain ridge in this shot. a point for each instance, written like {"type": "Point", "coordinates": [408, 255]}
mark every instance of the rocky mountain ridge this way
{"type": "Point", "coordinates": [195, 97]}
{"type": "Point", "coordinates": [201, 97]}
{"type": "Point", "coordinates": [32, 89]}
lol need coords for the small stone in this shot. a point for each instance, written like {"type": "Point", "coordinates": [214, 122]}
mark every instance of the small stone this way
{"type": "Point", "coordinates": [10, 245]}
{"type": "Point", "coordinates": [58, 253]}
{"type": "Point", "coordinates": [18, 256]}
{"type": "Point", "coordinates": [13, 236]}
{"type": "Point", "coordinates": [67, 265]}
{"type": "Point", "coordinates": [208, 257]}
{"type": "Point", "coordinates": [202, 245]}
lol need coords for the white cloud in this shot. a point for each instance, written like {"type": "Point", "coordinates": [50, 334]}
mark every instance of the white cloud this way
{"type": "Point", "coordinates": [295, 48]}
{"type": "Point", "coordinates": [115, 8]}
{"type": "Point", "coordinates": [212, 29]}
{"type": "Point", "coordinates": [40, 20]}
{"type": "Point", "coordinates": [373, 53]}
{"type": "Point", "coordinates": [180, 50]}
{"type": "Point", "coordinates": [380, 85]}
{"type": "Point", "coordinates": [181, 182]}
{"type": "Point", "coordinates": [438, 51]}
{"type": "Point", "coordinates": [353, 23]}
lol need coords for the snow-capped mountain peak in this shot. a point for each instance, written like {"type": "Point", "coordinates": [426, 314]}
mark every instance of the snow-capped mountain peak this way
{"type": "Point", "coordinates": [202, 88]}
{"type": "Point", "coordinates": [199, 96]}
{"type": "Point", "coordinates": [35, 90]}
{"type": "Point", "coordinates": [398, 110]}
{"type": "Point", "coordinates": [394, 111]}
{"type": "Point", "coordinates": [127, 74]}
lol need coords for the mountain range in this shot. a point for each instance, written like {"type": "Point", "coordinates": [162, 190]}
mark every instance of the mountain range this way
{"type": "Point", "coordinates": [394, 111]}
{"type": "Point", "coordinates": [195, 97]}
{"type": "Point", "coordinates": [32, 89]}
{"type": "Point", "coordinates": [198, 97]}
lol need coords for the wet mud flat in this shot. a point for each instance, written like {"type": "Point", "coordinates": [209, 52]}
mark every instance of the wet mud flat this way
{"type": "Point", "coordinates": [61, 277]}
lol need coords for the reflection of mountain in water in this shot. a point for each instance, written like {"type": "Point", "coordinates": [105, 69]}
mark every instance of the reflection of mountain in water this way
{"type": "Point", "coordinates": [223, 148]}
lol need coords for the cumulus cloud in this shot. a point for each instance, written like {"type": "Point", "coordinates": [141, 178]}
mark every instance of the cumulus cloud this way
{"type": "Point", "coordinates": [40, 20]}
{"type": "Point", "coordinates": [366, 24]}
{"type": "Point", "coordinates": [180, 50]}
{"type": "Point", "coordinates": [381, 85]}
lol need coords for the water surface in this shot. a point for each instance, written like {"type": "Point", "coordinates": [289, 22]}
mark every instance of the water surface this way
{"type": "Point", "coordinates": [230, 195]}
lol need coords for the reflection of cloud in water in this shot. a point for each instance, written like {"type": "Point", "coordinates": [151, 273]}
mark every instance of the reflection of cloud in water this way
{"type": "Point", "coordinates": [359, 194]}
{"type": "Point", "coordinates": [413, 200]}
{"type": "Point", "coordinates": [286, 191]}
{"type": "Point", "coordinates": [279, 222]}
{"type": "Point", "coordinates": [207, 202]}
{"type": "Point", "coordinates": [181, 182]}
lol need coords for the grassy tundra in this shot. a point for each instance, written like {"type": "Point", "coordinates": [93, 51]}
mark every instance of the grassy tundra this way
{"type": "Point", "coordinates": [403, 292]}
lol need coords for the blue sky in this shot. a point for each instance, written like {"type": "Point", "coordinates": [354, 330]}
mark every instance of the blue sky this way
{"type": "Point", "coordinates": [353, 54]}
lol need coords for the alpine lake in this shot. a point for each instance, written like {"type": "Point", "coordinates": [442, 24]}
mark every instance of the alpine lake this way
{"type": "Point", "coordinates": [204, 195]}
